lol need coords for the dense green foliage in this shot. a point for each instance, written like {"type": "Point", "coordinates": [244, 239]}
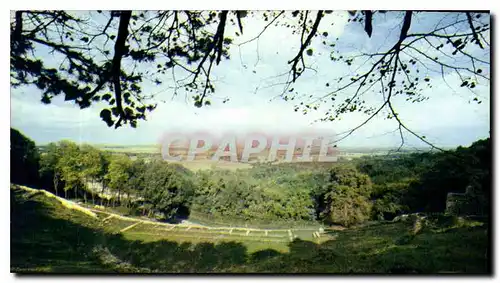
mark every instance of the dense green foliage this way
{"type": "Point", "coordinates": [420, 182]}
{"type": "Point", "coordinates": [156, 187]}
{"type": "Point", "coordinates": [24, 159]}
{"type": "Point", "coordinates": [225, 193]}
{"type": "Point", "coordinates": [347, 196]}
{"type": "Point", "coordinates": [346, 193]}
{"type": "Point", "coordinates": [71, 242]}
{"type": "Point", "coordinates": [167, 188]}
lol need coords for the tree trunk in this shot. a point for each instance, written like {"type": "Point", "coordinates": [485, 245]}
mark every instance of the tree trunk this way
{"type": "Point", "coordinates": [56, 183]}
{"type": "Point", "coordinates": [345, 215]}
{"type": "Point", "coordinates": [102, 192]}
{"type": "Point", "coordinates": [66, 194]}
{"type": "Point", "coordinates": [92, 190]}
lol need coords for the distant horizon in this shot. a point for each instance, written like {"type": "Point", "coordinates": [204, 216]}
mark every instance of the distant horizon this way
{"type": "Point", "coordinates": [151, 145]}
{"type": "Point", "coordinates": [449, 118]}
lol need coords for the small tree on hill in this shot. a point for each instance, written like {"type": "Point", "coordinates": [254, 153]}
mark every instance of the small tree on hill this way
{"type": "Point", "coordinates": [347, 200]}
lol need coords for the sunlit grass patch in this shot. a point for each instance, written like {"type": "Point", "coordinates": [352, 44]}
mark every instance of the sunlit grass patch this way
{"type": "Point", "coordinates": [47, 237]}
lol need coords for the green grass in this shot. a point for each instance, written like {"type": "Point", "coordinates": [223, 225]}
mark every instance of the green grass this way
{"type": "Point", "coordinates": [47, 237]}
{"type": "Point", "coordinates": [197, 165]}
{"type": "Point", "coordinates": [225, 221]}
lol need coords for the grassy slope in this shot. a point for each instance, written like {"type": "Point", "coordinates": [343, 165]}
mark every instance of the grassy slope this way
{"type": "Point", "coordinates": [46, 237]}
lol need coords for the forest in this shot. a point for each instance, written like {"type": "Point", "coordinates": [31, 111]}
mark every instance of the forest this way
{"type": "Point", "coordinates": [346, 193]}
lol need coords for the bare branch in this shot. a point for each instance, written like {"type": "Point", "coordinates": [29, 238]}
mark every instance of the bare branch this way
{"type": "Point", "coordinates": [304, 45]}
{"type": "Point", "coordinates": [473, 29]}
{"type": "Point", "coordinates": [263, 30]}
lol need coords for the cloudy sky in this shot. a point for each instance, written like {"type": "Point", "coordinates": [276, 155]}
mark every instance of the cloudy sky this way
{"type": "Point", "coordinates": [447, 118]}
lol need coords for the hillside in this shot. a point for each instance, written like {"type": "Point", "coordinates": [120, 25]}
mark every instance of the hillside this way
{"type": "Point", "coordinates": [47, 236]}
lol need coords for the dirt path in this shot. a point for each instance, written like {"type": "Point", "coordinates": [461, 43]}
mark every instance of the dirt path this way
{"type": "Point", "coordinates": [185, 224]}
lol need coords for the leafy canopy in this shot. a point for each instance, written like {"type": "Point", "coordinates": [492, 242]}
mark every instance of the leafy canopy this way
{"type": "Point", "coordinates": [108, 58]}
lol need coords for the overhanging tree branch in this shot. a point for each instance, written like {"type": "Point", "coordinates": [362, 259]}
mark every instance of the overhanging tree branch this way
{"type": "Point", "coordinates": [120, 50]}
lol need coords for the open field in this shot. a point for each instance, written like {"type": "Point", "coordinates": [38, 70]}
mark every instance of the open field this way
{"type": "Point", "coordinates": [196, 165]}
{"type": "Point", "coordinates": [204, 162]}
{"type": "Point", "coordinates": [152, 148]}
{"type": "Point", "coordinates": [49, 237]}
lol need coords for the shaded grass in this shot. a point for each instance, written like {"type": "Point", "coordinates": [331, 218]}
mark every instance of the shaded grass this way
{"type": "Point", "coordinates": [46, 237]}
{"type": "Point", "coordinates": [42, 238]}
{"type": "Point", "coordinates": [225, 221]}
{"type": "Point", "coordinates": [375, 249]}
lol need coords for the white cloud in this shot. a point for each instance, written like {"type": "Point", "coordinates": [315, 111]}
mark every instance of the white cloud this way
{"type": "Point", "coordinates": [249, 110]}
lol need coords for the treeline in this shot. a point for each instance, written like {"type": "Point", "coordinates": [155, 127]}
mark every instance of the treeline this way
{"type": "Point", "coordinates": [420, 182]}
{"type": "Point", "coordinates": [100, 177]}
{"type": "Point", "coordinates": [286, 192]}
{"type": "Point", "coordinates": [343, 193]}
